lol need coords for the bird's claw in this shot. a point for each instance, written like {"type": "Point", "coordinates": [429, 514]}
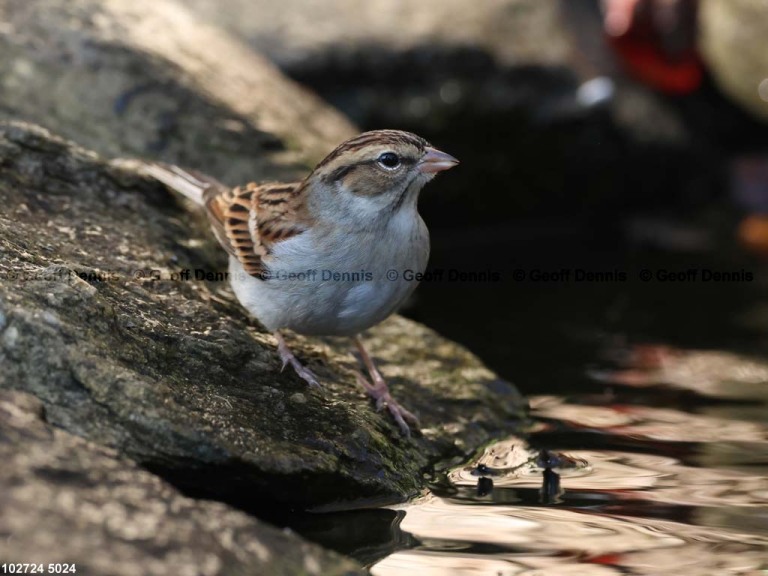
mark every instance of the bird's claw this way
{"type": "Point", "coordinates": [287, 357]}
{"type": "Point", "coordinates": [383, 399]}
{"type": "Point", "coordinates": [307, 375]}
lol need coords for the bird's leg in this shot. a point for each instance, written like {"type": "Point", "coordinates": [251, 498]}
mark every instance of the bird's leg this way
{"type": "Point", "coordinates": [288, 358]}
{"type": "Point", "coordinates": [380, 392]}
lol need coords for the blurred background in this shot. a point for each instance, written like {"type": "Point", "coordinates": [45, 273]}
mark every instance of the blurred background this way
{"type": "Point", "coordinates": [603, 135]}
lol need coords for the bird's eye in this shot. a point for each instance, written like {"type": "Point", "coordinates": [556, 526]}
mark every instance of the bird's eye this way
{"type": "Point", "coordinates": [389, 160]}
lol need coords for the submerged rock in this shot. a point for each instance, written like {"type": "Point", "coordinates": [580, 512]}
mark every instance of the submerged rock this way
{"type": "Point", "coordinates": [72, 503]}
{"type": "Point", "coordinates": [100, 322]}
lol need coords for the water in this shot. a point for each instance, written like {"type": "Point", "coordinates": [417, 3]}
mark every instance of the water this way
{"type": "Point", "coordinates": [680, 487]}
{"type": "Point", "coordinates": [660, 490]}
{"type": "Point", "coordinates": [649, 404]}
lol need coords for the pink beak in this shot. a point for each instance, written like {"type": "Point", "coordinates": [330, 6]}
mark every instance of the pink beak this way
{"type": "Point", "coordinates": [435, 161]}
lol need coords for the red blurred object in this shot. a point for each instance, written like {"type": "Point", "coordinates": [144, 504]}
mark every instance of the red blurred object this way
{"type": "Point", "coordinates": [656, 41]}
{"type": "Point", "coordinates": [607, 559]}
{"type": "Point", "coordinates": [651, 356]}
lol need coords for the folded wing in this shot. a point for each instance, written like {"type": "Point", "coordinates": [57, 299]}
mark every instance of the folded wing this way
{"type": "Point", "coordinates": [247, 220]}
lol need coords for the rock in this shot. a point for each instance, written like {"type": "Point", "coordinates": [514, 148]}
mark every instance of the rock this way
{"type": "Point", "coordinates": [100, 323]}
{"type": "Point", "coordinates": [732, 37]}
{"type": "Point", "coordinates": [148, 78]}
{"type": "Point", "coordinates": [69, 501]}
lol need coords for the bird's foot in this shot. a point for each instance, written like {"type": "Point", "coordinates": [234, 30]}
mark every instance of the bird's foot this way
{"type": "Point", "coordinates": [288, 358]}
{"type": "Point", "coordinates": [379, 391]}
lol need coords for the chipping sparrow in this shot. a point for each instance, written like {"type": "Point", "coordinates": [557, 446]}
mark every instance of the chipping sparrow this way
{"type": "Point", "coordinates": [318, 256]}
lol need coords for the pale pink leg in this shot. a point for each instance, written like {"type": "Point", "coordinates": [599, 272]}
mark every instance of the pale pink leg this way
{"type": "Point", "coordinates": [380, 392]}
{"type": "Point", "coordinates": [288, 358]}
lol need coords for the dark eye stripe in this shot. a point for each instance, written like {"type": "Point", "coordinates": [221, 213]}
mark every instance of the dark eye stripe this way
{"type": "Point", "coordinates": [344, 171]}
{"type": "Point", "coordinates": [340, 173]}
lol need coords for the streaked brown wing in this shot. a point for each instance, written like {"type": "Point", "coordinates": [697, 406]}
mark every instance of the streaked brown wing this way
{"type": "Point", "coordinates": [249, 220]}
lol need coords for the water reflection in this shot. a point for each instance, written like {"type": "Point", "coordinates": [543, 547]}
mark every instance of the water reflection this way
{"type": "Point", "coordinates": [455, 540]}
{"type": "Point", "coordinates": [527, 538]}
{"type": "Point", "coordinates": [721, 375]}
{"type": "Point", "coordinates": [612, 483]}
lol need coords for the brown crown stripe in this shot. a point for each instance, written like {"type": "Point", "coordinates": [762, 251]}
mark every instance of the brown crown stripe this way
{"type": "Point", "coordinates": [375, 137]}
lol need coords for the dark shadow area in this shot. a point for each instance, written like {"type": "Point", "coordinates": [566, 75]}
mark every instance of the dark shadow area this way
{"type": "Point", "coordinates": [547, 184]}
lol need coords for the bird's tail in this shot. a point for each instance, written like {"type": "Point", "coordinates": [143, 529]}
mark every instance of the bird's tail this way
{"type": "Point", "coordinates": [193, 185]}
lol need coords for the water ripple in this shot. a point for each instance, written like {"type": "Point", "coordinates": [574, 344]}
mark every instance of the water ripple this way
{"type": "Point", "coordinates": [638, 487]}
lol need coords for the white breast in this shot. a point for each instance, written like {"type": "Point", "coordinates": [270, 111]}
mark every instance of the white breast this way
{"type": "Point", "coordinates": [305, 296]}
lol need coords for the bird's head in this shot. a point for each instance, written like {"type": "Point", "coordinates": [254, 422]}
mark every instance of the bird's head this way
{"type": "Point", "coordinates": [375, 174]}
